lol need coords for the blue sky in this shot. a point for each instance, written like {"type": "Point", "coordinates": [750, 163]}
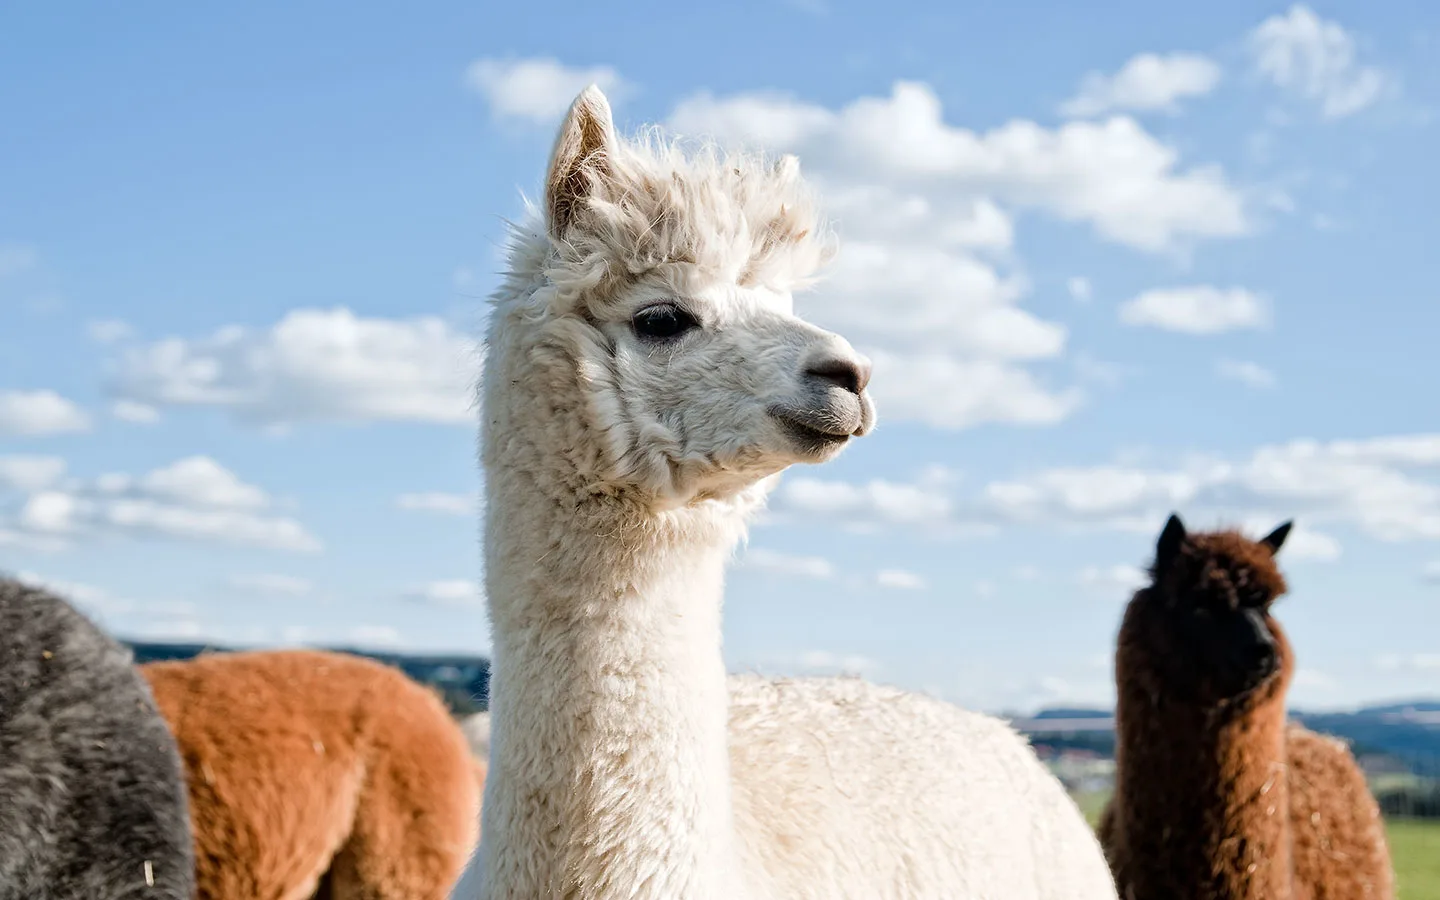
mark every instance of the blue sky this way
{"type": "Point", "coordinates": [1109, 265]}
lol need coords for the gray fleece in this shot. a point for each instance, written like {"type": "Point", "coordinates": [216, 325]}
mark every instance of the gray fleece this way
{"type": "Point", "coordinates": [92, 796]}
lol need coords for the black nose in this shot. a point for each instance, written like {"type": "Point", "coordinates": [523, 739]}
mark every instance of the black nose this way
{"type": "Point", "coordinates": [849, 373]}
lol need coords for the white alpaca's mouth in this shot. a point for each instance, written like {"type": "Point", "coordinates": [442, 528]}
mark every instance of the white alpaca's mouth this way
{"type": "Point", "coordinates": [818, 431]}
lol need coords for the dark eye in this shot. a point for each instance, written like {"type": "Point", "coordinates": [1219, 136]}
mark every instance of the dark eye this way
{"type": "Point", "coordinates": [663, 321]}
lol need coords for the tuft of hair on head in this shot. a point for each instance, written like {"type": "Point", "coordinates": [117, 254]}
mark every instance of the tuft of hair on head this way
{"type": "Point", "coordinates": [616, 209]}
{"type": "Point", "coordinates": [1226, 548]}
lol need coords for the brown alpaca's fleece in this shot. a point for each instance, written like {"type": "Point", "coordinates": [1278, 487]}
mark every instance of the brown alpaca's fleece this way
{"type": "Point", "coordinates": [1229, 802]}
{"type": "Point", "coordinates": [319, 774]}
{"type": "Point", "coordinates": [1340, 850]}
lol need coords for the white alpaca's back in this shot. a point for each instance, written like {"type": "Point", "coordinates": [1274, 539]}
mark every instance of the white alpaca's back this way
{"type": "Point", "coordinates": [845, 789]}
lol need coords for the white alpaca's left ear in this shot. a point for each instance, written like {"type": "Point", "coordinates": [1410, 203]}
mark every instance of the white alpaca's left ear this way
{"type": "Point", "coordinates": [581, 152]}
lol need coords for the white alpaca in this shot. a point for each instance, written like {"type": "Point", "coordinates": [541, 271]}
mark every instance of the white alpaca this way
{"type": "Point", "coordinates": [477, 731]}
{"type": "Point", "coordinates": [645, 381]}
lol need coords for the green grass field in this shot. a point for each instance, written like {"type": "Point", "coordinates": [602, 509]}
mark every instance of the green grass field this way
{"type": "Point", "coordinates": [1414, 848]}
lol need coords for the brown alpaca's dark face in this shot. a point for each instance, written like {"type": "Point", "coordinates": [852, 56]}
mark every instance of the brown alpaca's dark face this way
{"type": "Point", "coordinates": [1204, 625]}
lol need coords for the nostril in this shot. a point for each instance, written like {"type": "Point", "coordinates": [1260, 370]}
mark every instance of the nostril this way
{"type": "Point", "coordinates": [851, 374]}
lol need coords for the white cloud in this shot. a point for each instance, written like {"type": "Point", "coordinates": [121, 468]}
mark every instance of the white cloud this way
{"type": "Point", "coordinates": [194, 499]}
{"type": "Point", "coordinates": [1413, 662]}
{"type": "Point", "coordinates": [1079, 289]}
{"type": "Point", "coordinates": [137, 413]}
{"type": "Point", "coordinates": [878, 500]}
{"type": "Point", "coordinates": [269, 583]}
{"type": "Point", "coordinates": [1315, 59]}
{"type": "Point", "coordinates": [198, 481]}
{"type": "Point", "coordinates": [1304, 543]}
{"type": "Point", "coordinates": [954, 302]}
{"type": "Point", "coordinates": [900, 579]}
{"type": "Point", "coordinates": [39, 413]}
{"type": "Point", "coordinates": [439, 502]}
{"type": "Point", "coordinates": [29, 474]}
{"type": "Point", "coordinates": [386, 637]}
{"type": "Point", "coordinates": [885, 210]}
{"type": "Point", "coordinates": [179, 629]}
{"type": "Point", "coordinates": [786, 564]}
{"type": "Point", "coordinates": [91, 599]}
{"type": "Point", "coordinates": [1385, 486]}
{"type": "Point", "coordinates": [1313, 679]}
{"type": "Point", "coordinates": [50, 512]}
{"type": "Point", "coordinates": [313, 365]}
{"type": "Point", "coordinates": [1248, 373]}
{"type": "Point", "coordinates": [1431, 572]}
{"type": "Point", "coordinates": [1101, 493]}
{"type": "Point", "coordinates": [1198, 309]}
{"type": "Point", "coordinates": [539, 90]}
{"type": "Point", "coordinates": [945, 392]}
{"type": "Point", "coordinates": [1148, 82]}
{"type": "Point", "coordinates": [1116, 579]}
{"type": "Point", "coordinates": [102, 603]}
{"type": "Point", "coordinates": [16, 258]}
{"type": "Point", "coordinates": [459, 593]}
{"type": "Point", "coordinates": [1113, 174]}
{"type": "Point", "coordinates": [108, 331]}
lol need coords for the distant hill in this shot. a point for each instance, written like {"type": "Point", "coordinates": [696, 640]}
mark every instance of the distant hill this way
{"type": "Point", "coordinates": [463, 681]}
{"type": "Point", "coordinates": [1407, 732]}
{"type": "Point", "coordinates": [1061, 712]}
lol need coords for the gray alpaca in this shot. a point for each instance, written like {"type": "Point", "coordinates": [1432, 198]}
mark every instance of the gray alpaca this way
{"type": "Point", "coordinates": [92, 797]}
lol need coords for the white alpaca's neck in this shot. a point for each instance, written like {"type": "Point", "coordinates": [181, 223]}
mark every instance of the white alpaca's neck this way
{"type": "Point", "coordinates": [609, 772]}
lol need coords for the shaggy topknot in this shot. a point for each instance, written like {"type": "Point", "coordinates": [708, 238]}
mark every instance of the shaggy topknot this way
{"type": "Point", "coordinates": [651, 205]}
{"type": "Point", "coordinates": [1226, 552]}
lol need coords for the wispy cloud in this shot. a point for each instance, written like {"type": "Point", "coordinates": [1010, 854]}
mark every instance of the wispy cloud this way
{"type": "Point", "coordinates": [538, 90]}
{"type": "Point", "coordinates": [1149, 82]}
{"type": "Point", "coordinates": [1316, 59]}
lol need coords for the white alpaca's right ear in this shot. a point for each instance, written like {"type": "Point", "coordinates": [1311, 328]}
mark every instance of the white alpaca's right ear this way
{"type": "Point", "coordinates": [581, 152]}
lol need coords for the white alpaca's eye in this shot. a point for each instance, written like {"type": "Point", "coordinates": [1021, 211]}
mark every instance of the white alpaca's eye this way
{"type": "Point", "coordinates": [663, 321]}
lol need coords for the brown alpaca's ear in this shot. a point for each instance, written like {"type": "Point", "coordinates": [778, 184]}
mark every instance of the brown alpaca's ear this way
{"type": "Point", "coordinates": [1274, 539]}
{"type": "Point", "coordinates": [580, 151]}
{"type": "Point", "coordinates": [1168, 547]}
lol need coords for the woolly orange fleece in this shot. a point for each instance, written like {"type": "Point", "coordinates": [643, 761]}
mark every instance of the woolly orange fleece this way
{"type": "Point", "coordinates": [319, 774]}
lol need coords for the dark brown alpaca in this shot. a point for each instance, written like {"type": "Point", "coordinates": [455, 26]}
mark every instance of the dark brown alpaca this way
{"type": "Point", "coordinates": [1216, 798]}
{"type": "Point", "coordinates": [318, 774]}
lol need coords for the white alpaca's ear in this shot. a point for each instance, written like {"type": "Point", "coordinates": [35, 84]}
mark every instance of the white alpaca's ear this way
{"type": "Point", "coordinates": [581, 151]}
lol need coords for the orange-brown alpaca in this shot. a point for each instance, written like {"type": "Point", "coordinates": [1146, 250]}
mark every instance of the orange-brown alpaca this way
{"type": "Point", "coordinates": [1216, 798]}
{"type": "Point", "coordinates": [319, 774]}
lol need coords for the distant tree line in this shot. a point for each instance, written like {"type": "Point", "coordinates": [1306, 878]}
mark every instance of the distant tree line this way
{"type": "Point", "coordinates": [1416, 802]}
{"type": "Point", "coordinates": [463, 682]}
